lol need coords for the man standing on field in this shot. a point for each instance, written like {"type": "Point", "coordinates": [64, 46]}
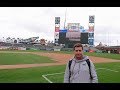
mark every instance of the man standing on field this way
{"type": "Point", "coordinates": [80, 68]}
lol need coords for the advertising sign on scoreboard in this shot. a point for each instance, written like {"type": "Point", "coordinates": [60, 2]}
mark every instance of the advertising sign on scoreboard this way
{"type": "Point", "coordinates": [91, 35]}
{"type": "Point", "coordinates": [56, 35]}
{"type": "Point", "coordinates": [73, 27]}
{"type": "Point", "coordinates": [84, 30]}
{"type": "Point", "coordinates": [56, 40]}
{"type": "Point", "coordinates": [91, 19]}
{"type": "Point", "coordinates": [63, 31]}
{"type": "Point", "coordinates": [57, 29]}
{"type": "Point", "coordinates": [57, 20]}
{"type": "Point", "coordinates": [91, 28]}
{"type": "Point", "coordinates": [91, 41]}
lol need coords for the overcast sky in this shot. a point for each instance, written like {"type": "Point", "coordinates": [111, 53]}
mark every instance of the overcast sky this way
{"type": "Point", "coordinates": [25, 22]}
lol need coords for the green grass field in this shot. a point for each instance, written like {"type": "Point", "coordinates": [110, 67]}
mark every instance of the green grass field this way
{"type": "Point", "coordinates": [22, 58]}
{"type": "Point", "coordinates": [34, 75]}
{"type": "Point", "coordinates": [105, 55]}
{"type": "Point", "coordinates": [107, 72]}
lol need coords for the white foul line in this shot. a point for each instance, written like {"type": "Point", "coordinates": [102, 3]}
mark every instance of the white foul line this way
{"type": "Point", "coordinates": [44, 76]}
{"type": "Point", "coordinates": [54, 73]}
{"type": "Point", "coordinates": [47, 79]}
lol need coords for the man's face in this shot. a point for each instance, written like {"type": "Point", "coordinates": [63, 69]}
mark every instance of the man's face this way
{"type": "Point", "coordinates": [78, 52]}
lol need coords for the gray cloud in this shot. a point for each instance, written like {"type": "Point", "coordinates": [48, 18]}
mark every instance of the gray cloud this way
{"type": "Point", "coordinates": [39, 21]}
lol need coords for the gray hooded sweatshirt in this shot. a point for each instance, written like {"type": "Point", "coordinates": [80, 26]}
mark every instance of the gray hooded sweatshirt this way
{"type": "Point", "coordinates": [80, 72]}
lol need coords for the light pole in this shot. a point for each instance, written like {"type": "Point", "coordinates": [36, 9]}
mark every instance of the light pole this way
{"type": "Point", "coordinates": [65, 18]}
{"type": "Point", "coordinates": [117, 42]}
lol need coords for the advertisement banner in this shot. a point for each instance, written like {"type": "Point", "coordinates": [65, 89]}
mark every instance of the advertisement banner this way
{"type": "Point", "coordinates": [57, 20]}
{"type": "Point", "coordinates": [57, 25]}
{"type": "Point", "coordinates": [57, 29]}
{"type": "Point", "coordinates": [64, 31]}
{"type": "Point", "coordinates": [91, 28]}
{"type": "Point", "coordinates": [56, 40]}
{"type": "Point", "coordinates": [57, 35]}
{"type": "Point", "coordinates": [91, 24]}
{"type": "Point", "coordinates": [84, 30]}
{"type": "Point", "coordinates": [91, 41]}
{"type": "Point", "coordinates": [91, 19]}
{"type": "Point", "coordinates": [91, 35]}
{"type": "Point", "coordinates": [73, 27]}
{"type": "Point", "coordinates": [81, 27]}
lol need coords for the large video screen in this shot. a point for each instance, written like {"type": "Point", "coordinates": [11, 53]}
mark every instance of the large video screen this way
{"type": "Point", "coordinates": [73, 36]}
{"type": "Point", "coordinates": [70, 37]}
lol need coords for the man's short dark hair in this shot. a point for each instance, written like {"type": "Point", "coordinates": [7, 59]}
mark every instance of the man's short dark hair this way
{"type": "Point", "coordinates": [77, 45]}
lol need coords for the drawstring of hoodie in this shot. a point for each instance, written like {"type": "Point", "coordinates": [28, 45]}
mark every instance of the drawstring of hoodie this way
{"type": "Point", "coordinates": [74, 67]}
{"type": "Point", "coordinates": [79, 68]}
{"type": "Point", "coordinates": [72, 71]}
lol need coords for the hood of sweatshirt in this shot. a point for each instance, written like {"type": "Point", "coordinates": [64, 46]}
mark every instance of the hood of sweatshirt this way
{"type": "Point", "coordinates": [84, 59]}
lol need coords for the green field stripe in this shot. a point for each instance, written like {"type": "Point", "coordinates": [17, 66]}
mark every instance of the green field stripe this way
{"type": "Point", "coordinates": [107, 69]}
{"type": "Point", "coordinates": [23, 58]}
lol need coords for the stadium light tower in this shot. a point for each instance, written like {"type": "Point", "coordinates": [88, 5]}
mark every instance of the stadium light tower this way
{"type": "Point", "coordinates": [117, 42]}
{"type": "Point", "coordinates": [65, 18]}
